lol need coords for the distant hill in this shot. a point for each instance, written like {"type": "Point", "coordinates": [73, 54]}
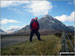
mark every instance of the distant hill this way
{"type": "Point", "coordinates": [11, 31]}
{"type": "Point", "coordinates": [2, 32]}
{"type": "Point", "coordinates": [71, 27]}
{"type": "Point", "coordinates": [48, 25]}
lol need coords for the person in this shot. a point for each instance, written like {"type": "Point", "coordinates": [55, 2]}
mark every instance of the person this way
{"type": "Point", "coordinates": [34, 27]}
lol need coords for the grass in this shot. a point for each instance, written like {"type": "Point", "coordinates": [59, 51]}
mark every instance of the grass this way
{"type": "Point", "coordinates": [51, 44]}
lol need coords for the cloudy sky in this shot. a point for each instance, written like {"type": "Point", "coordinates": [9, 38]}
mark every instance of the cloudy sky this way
{"type": "Point", "coordinates": [17, 14]}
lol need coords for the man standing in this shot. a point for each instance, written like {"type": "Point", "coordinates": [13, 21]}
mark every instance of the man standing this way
{"type": "Point", "coordinates": [34, 27]}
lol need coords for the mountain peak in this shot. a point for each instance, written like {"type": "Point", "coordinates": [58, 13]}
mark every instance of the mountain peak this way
{"type": "Point", "coordinates": [48, 23]}
{"type": "Point", "coordinates": [48, 17]}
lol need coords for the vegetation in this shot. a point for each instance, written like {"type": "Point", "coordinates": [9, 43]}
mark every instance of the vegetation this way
{"type": "Point", "coordinates": [50, 45]}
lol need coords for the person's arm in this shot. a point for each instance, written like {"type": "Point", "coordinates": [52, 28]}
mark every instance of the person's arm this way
{"type": "Point", "coordinates": [30, 25]}
{"type": "Point", "coordinates": [38, 26]}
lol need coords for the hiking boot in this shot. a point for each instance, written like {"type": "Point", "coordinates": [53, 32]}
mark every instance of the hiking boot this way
{"type": "Point", "coordinates": [40, 40]}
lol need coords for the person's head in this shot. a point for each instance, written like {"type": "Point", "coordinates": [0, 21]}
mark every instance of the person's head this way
{"type": "Point", "coordinates": [36, 18]}
{"type": "Point", "coordinates": [32, 19]}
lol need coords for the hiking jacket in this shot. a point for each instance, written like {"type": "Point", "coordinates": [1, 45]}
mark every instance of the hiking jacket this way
{"type": "Point", "coordinates": [32, 23]}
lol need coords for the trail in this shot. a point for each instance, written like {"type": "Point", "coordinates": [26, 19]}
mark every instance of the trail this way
{"type": "Point", "coordinates": [9, 41]}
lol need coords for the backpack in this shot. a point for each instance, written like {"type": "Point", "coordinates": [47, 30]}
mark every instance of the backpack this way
{"type": "Point", "coordinates": [35, 25]}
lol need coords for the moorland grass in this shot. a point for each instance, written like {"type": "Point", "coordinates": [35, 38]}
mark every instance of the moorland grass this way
{"type": "Point", "coordinates": [50, 45]}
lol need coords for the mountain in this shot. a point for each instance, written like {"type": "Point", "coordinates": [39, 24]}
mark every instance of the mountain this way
{"type": "Point", "coordinates": [12, 31]}
{"type": "Point", "coordinates": [48, 25]}
{"type": "Point", "coordinates": [2, 32]}
{"type": "Point", "coordinates": [71, 27]}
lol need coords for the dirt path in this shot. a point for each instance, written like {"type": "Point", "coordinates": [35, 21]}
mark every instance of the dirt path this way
{"type": "Point", "coordinates": [9, 41]}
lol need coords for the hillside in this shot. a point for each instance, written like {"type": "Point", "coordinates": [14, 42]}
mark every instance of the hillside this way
{"type": "Point", "coordinates": [50, 45]}
{"type": "Point", "coordinates": [2, 32]}
{"type": "Point", "coordinates": [71, 27]}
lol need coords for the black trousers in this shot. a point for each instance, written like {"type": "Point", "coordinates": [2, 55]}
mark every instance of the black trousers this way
{"type": "Point", "coordinates": [37, 34]}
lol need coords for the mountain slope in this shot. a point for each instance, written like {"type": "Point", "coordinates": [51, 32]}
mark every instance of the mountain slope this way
{"type": "Point", "coordinates": [48, 22]}
{"type": "Point", "coordinates": [2, 32]}
{"type": "Point", "coordinates": [48, 25]}
{"type": "Point", "coordinates": [71, 27]}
